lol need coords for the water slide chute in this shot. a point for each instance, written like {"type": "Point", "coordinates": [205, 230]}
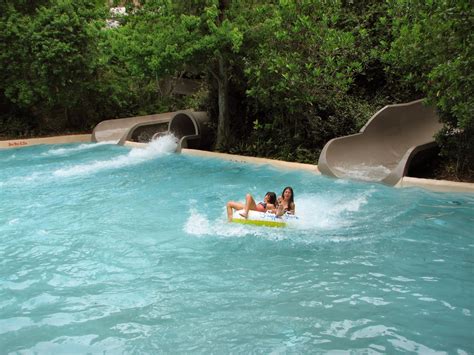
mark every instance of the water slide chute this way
{"type": "Point", "coordinates": [384, 148]}
{"type": "Point", "coordinates": [191, 128]}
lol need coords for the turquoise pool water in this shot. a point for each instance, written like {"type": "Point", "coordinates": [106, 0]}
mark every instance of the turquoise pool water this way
{"type": "Point", "coordinates": [116, 250]}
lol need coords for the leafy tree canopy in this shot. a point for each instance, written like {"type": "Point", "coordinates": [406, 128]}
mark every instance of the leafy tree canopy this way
{"type": "Point", "coordinates": [280, 78]}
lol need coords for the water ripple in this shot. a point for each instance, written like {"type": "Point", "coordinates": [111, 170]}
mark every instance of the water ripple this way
{"type": "Point", "coordinates": [139, 258]}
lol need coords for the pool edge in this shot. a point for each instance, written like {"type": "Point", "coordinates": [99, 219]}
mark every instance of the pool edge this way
{"type": "Point", "coordinates": [436, 185]}
{"type": "Point", "coordinates": [73, 138]}
{"type": "Point", "coordinates": [253, 160]}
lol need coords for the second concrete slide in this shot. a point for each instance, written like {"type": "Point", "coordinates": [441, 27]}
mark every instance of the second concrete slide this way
{"type": "Point", "coordinates": [115, 129]}
{"type": "Point", "coordinates": [191, 128]}
{"type": "Point", "coordinates": [385, 146]}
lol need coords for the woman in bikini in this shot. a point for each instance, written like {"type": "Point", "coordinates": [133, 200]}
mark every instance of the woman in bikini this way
{"type": "Point", "coordinates": [268, 204]}
{"type": "Point", "coordinates": [286, 202]}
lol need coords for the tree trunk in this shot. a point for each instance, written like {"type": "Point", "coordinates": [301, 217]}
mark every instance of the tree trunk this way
{"type": "Point", "coordinates": [223, 123]}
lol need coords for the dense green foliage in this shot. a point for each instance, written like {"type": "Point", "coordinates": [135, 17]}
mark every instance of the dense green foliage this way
{"type": "Point", "coordinates": [279, 78]}
{"type": "Point", "coordinates": [49, 60]}
{"type": "Point", "coordinates": [433, 47]}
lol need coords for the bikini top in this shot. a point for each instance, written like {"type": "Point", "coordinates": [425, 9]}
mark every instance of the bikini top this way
{"type": "Point", "coordinates": [263, 204]}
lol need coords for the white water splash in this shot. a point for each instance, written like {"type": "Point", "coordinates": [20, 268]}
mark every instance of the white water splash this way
{"type": "Point", "coordinates": [364, 172]}
{"type": "Point", "coordinates": [317, 214]}
{"type": "Point", "coordinates": [156, 148]}
{"type": "Point", "coordinates": [319, 211]}
{"type": "Point", "coordinates": [82, 147]}
{"type": "Point", "coordinates": [198, 224]}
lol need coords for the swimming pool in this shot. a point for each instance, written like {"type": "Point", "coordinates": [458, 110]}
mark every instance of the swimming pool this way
{"type": "Point", "coordinates": [109, 249]}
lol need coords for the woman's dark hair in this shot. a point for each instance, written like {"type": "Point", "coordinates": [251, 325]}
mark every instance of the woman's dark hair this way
{"type": "Point", "coordinates": [272, 197]}
{"type": "Point", "coordinates": [292, 199]}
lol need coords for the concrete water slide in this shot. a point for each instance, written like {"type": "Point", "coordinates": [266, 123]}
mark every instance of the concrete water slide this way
{"type": "Point", "coordinates": [384, 148]}
{"type": "Point", "coordinates": [190, 127]}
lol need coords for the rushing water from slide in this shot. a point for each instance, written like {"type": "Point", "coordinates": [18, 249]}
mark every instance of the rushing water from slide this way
{"type": "Point", "coordinates": [363, 172]}
{"type": "Point", "coordinates": [109, 249]}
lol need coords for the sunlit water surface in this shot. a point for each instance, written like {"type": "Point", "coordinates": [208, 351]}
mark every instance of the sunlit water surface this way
{"type": "Point", "coordinates": [116, 250]}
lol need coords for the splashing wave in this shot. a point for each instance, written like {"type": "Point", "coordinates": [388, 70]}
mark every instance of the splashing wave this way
{"type": "Point", "coordinates": [159, 147]}
{"type": "Point", "coordinates": [82, 147]}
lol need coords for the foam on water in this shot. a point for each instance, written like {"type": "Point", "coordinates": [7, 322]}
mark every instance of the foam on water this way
{"type": "Point", "coordinates": [79, 148]}
{"type": "Point", "coordinates": [323, 211]}
{"type": "Point", "coordinates": [161, 146]}
{"type": "Point", "coordinates": [318, 214]}
{"type": "Point", "coordinates": [45, 173]}
{"type": "Point", "coordinates": [199, 224]}
{"type": "Point", "coordinates": [364, 172]}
